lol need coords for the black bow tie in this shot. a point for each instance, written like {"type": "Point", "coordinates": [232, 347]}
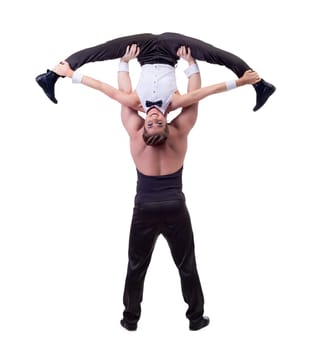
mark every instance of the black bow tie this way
{"type": "Point", "coordinates": [158, 103]}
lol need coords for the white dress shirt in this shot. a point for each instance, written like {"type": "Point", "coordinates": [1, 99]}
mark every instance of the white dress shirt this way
{"type": "Point", "coordinates": [157, 82]}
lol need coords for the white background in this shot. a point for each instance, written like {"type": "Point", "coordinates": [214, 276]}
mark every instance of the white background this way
{"type": "Point", "coordinates": [67, 183]}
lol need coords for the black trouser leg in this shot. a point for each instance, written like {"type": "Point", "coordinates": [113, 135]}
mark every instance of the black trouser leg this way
{"type": "Point", "coordinates": [112, 49]}
{"type": "Point", "coordinates": [142, 239]}
{"type": "Point", "coordinates": [203, 51]}
{"type": "Point", "coordinates": [181, 242]}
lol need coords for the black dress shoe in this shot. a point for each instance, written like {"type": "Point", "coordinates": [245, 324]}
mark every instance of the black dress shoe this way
{"type": "Point", "coordinates": [47, 82]}
{"type": "Point", "coordinates": [263, 91]}
{"type": "Point", "coordinates": [198, 324]}
{"type": "Point", "coordinates": [129, 326]}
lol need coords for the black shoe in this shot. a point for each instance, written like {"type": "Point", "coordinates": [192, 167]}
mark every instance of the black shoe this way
{"type": "Point", "coordinates": [129, 326]}
{"type": "Point", "coordinates": [263, 91]}
{"type": "Point", "coordinates": [198, 324]}
{"type": "Point", "coordinates": [47, 82]}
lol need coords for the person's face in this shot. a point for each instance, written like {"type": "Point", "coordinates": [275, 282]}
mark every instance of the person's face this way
{"type": "Point", "coordinates": [155, 121]}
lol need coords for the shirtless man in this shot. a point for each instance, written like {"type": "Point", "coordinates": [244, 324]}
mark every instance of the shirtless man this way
{"type": "Point", "coordinates": [159, 205]}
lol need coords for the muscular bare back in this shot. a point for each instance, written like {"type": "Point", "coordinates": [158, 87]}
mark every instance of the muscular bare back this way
{"type": "Point", "coordinates": [159, 160]}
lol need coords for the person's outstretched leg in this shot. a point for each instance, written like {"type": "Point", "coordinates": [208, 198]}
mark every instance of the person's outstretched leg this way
{"type": "Point", "coordinates": [109, 50]}
{"type": "Point", "coordinates": [202, 51]}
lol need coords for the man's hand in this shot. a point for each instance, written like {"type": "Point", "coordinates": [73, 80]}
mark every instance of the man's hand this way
{"type": "Point", "coordinates": [132, 51]}
{"type": "Point", "coordinates": [186, 55]}
{"type": "Point", "coordinates": [63, 69]}
{"type": "Point", "coordinates": [249, 77]}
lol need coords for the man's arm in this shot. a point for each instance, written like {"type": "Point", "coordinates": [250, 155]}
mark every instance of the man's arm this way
{"type": "Point", "coordinates": [249, 77]}
{"type": "Point", "coordinates": [188, 116]}
{"type": "Point", "coordinates": [130, 118]}
{"type": "Point", "coordinates": [125, 98]}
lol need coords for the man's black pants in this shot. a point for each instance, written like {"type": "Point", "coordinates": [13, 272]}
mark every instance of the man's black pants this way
{"type": "Point", "coordinates": [160, 48]}
{"type": "Point", "coordinates": [172, 220]}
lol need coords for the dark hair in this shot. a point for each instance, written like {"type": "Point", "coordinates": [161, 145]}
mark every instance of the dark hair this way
{"type": "Point", "coordinates": [156, 139]}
